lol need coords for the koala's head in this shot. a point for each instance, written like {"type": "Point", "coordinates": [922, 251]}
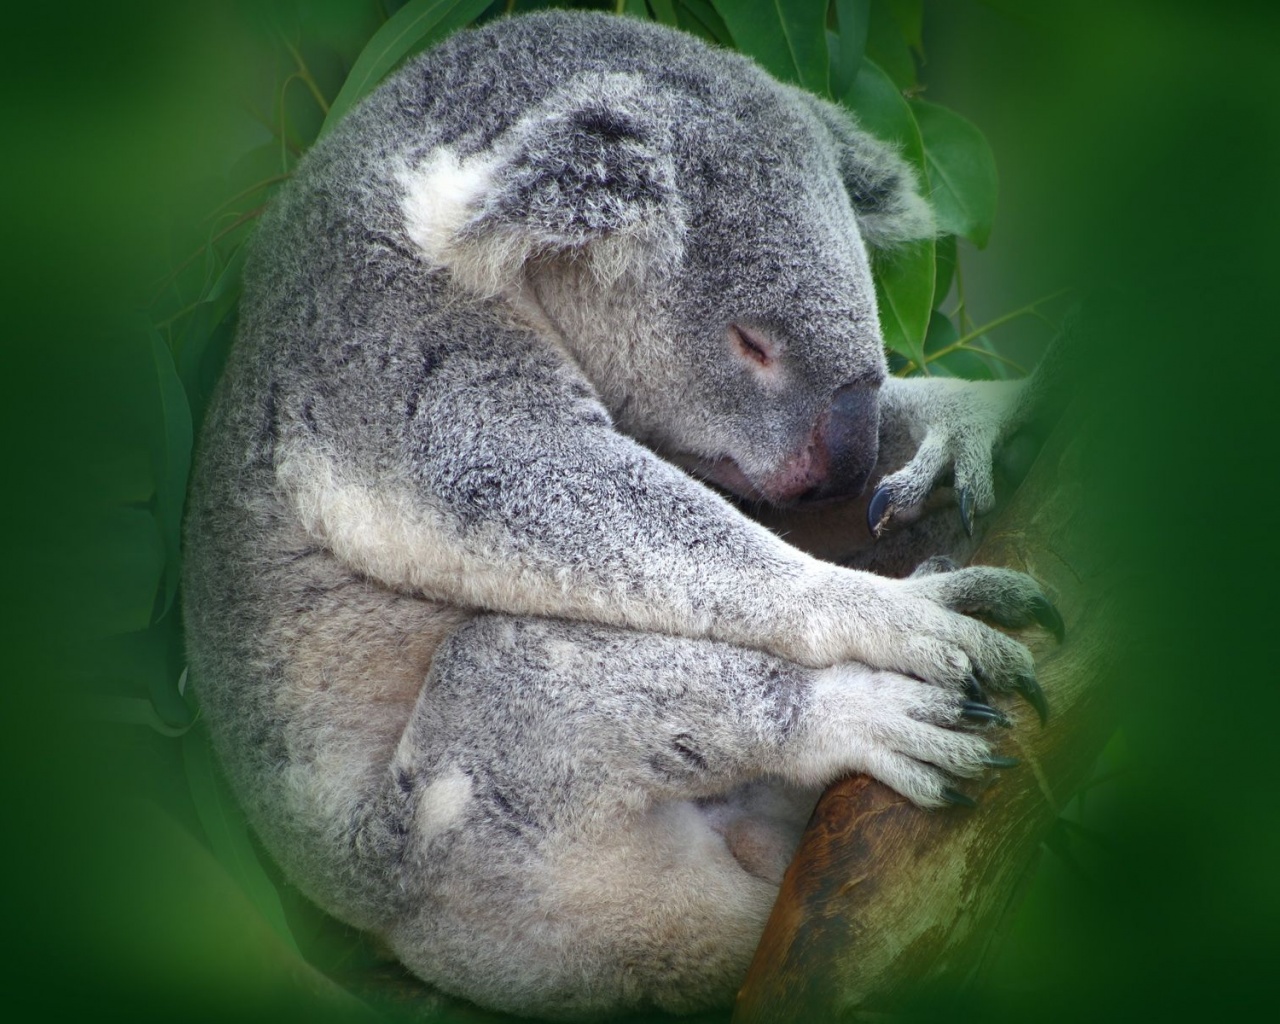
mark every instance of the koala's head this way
{"type": "Point", "coordinates": [697, 237]}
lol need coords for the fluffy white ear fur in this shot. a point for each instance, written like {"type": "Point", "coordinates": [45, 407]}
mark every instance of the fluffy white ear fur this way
{"type": "Point", "coordinates": [893, 211]}
{"type": "Point", "coordinates": [551, 187]}
{"type": "Point", "coordinates": [883, 187]}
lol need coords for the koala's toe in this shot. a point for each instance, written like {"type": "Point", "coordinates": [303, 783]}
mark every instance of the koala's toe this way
{"type": "Point", "coordinates": [908, 488]}
{"type": "Point", "coordinates": [1010, 598]}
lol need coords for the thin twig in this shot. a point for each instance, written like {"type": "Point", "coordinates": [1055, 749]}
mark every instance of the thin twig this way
{"type": "Point", "coordinates": [304, 73]}
{"type": "Point", "coordinates": [257, 186]}
{"type": "Point", "coordinates": [240, 221]}
{"type": "Point", "coordinates": [1028, 310]}
{"type": "Point", "coordinates": [994, 355]}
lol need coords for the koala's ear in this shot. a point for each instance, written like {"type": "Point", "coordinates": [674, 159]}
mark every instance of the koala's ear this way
{"type": "Point", "coordinates": [882, 186]}
{"type": "Point", "coordinates": [588, 173]}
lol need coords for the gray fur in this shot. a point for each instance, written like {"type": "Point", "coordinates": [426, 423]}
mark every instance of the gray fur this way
{"type": "Point", "coordinates": [494, 676]}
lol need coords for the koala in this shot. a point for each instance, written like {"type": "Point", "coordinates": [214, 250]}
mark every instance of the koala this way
{"type": "Point", "coordinates": [494, 659]}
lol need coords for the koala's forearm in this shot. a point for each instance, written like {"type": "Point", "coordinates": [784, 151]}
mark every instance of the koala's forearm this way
{"type": "Point", "coordinates": [911, 406]}
{"type": "Point", "coordinates": [614, 535]}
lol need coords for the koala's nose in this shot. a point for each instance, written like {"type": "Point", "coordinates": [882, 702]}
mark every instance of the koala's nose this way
{"type": "Point", "coordinates": [852, 439]}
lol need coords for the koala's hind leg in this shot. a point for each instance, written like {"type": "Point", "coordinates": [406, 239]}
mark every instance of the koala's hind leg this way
{"type": "Point", "coordinates": [588, 807]}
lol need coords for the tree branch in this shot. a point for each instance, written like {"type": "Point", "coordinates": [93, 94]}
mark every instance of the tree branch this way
{"type": "Point", "coordinates": [884, 900]}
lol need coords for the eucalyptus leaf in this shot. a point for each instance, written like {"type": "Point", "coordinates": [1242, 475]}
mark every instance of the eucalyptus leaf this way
{"type": "Point", "coordinates": [788, 38]}
{"type": "Point", "coordinates": [171, 461]}
{"type": "Point", "coordinates": [883, 111]}
{"type": "Point", "coordinates": [1000, 370]}
{"type": "Point", "coordinates": [909, 16]}
{"type": "Point", "coordinates": [227, 833]}
{"type": "Point", "coordinates": [887, 46]}
{"type": "Point", "coordinates": [904, 291]}
{"type": "Point", "coordinates": [941, 333]}
{"type": "Point", "coordinates": [416, 25]}
{"type": "Point", "coordinates": [701, 18]}
{"type": "Point", "coordinates": [848, 44]}
{"type": "Point", "coordinates": [664, 11]}
{"type": "Point", "coordinates": [962, 172]}
{"type": "Point", "coordinates": [945, 268]}
{"type": "Point", "coordinates": [964, 363]}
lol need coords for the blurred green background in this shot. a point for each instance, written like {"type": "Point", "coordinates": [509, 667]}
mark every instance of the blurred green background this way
{"type": "Point", "coordinates": [1137, 145]}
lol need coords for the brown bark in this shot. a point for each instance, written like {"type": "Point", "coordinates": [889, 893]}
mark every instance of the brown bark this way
{"type": "Point", "coordinates": [884, 899]}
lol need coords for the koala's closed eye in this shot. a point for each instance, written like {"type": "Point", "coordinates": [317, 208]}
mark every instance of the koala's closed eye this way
{"type": "Point", "coordinates": [752, 346]}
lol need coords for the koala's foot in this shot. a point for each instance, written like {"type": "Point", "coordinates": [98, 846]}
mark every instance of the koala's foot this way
{"type": "Point", "coordinates": [914, 737]}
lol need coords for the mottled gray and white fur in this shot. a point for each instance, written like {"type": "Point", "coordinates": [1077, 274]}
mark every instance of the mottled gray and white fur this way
{"type": "Point", "coordinates": [494, 673]}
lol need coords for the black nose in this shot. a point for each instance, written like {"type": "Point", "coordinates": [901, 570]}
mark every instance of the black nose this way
{"type": "Point", "coordinates": [852, 438]}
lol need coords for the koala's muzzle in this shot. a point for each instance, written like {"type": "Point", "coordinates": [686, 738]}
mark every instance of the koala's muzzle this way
{"type": "Point", "coordinates": [852, 435]}
{"type": "Point", "coordinates": [839, 455]}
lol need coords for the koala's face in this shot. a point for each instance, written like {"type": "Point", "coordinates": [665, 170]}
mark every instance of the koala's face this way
{"type": "Point", "coordinates": [697, 239]}
{"type": "Point", "coordinates": [772, 314]}
{"type": "Point", "coordinates": [756, 357]}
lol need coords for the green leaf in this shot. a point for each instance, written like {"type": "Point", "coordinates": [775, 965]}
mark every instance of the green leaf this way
{"type": "Point", "coordinates": [848, 44]}
{"type": "Point", "coordinates": [909, 16]}
{"type": "Point", "coordinates": [904, 290]}
{"type": "Point", "coordinates": [882, 110]}
{"type": "Point", "coordinates": [945, 269]}
{"type": "Point", "coordinates": [960, 363]}
{"type": "Point", "coordinates": [636, 9]}
{"type": "Point", "coordinates": [997, 369]}
{"type": "Point", "coordinates": [700, 18]}
{"type": "Point", "coordinates": [227, 833]}
{"type": "Point", "coordinates": [887, 47]}
{"type": "Point", "coordinates": [788, 38]}
{"type": "Point", "coordinates": [962, 172]}
{"type": "Point", "coordinates": [171, 461]}
{"type": "Point", "coordinates": [664, 11]}
{"type": "Point", "coordinates": [416, 25]}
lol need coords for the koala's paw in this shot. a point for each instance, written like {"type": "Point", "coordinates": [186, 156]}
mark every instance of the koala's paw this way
{"type": "Point", "coordinates": [1010, 598]}
{"type": "Point", "coordinates": [965, 427]}
{"type": "Point", "coordinates": [909, 735]}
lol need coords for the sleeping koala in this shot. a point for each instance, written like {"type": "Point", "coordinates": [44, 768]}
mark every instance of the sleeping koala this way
{"type": "Point", "coordinates": [496, 675]}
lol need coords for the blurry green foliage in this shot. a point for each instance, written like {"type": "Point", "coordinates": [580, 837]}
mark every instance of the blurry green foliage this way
{"type": "Point", "coordinates": [299, 66]}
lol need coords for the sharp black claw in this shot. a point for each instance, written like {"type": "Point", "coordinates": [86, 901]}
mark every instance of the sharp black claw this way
{"type": "Point", "coordinates": [966, 509]}
{"type": "Point", "coordinates": [1030, 689]}
{"type": "Point", "coordinates": [984, 713]}
{"type": "Point", "coordinates": [878, 511]}
{"type": "Point", "coordinates": [974, 691]}
{"type": "Point", "coordinates": [952, 796]}
{"type": "Point", "coordinates": [1000, 761]}
{"type": "Point", "coordinates": [1047, 615]}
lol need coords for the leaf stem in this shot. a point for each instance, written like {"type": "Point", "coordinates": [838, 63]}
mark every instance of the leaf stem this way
{"type": "Point", "coordinates": [240, 221]}
{"type": "Point", "coordinates": [964, 342]}
{"type": "Point", "coordinates": [257, 186]}
{"type": "Point", "coordinates": [973, 335]}
{"type": "Point", "coordinates": [304, 74]}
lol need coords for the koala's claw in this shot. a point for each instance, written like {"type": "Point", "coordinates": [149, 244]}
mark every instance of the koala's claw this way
{"type": "Point", "coordinates": [953, 796]}
{"type": "Point", "coordinates": [1047, 615]}
{"type": "Point", "coordinates": [1030, 689]}
{"type": "Point", "coordinates": [879, 510]}
{"type": "Point", "coordinates": [1000, 761]}
{"type": "Point", "coordinates": [966, 509]}
{"type": "Point", "coordinates": [977, 712]}
{"type": "Point", "coordinates": [974, 691]}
